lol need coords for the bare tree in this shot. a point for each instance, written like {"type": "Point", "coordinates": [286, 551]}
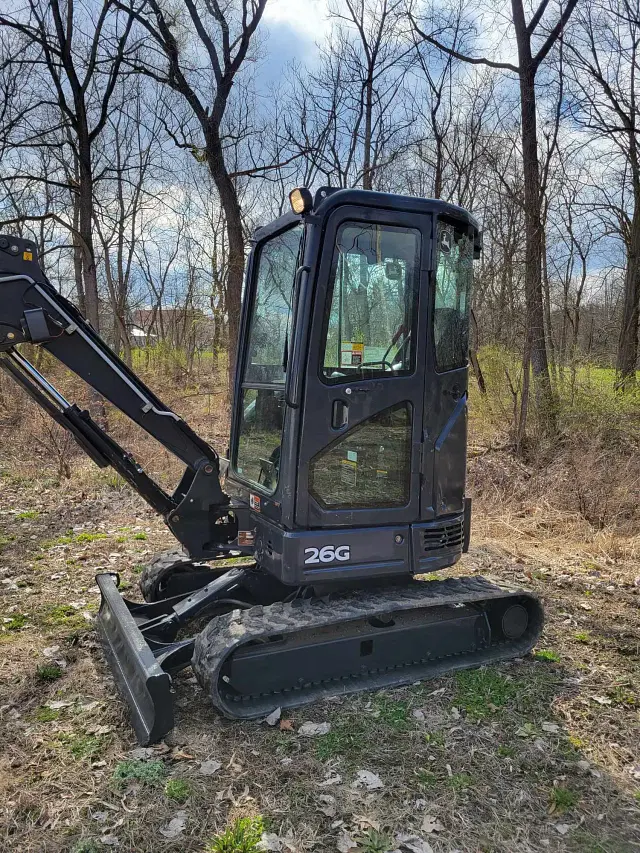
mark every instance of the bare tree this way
{"type": "Point", "coordinates": [605, 65]}
{"type": "Point", "coordinates": [83, 61]}
{"type": "Point", "coordinates": [530, 58]}
{"type": "Point", "coordinates": [222, 33]}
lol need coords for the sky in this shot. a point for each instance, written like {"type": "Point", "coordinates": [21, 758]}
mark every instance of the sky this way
{"type": "Point", "coordinates": [294, 28]}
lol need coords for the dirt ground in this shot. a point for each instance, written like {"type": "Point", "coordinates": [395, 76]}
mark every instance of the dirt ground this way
{"type": "Point", "coordinates": [542, 754]}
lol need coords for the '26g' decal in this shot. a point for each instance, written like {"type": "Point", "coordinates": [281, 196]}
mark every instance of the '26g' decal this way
{"type": "Point", "coordinates": [328, 554]}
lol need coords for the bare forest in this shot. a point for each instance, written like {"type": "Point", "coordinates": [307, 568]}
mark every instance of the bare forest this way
{"type": "Point", "coordinates": [141, 144]}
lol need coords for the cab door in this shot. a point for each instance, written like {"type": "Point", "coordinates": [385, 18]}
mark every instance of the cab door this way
{"type": "Point", "coordinates": [360, 444]}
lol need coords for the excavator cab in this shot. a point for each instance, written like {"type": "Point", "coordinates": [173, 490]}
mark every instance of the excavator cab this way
{"type": "Point", "coordinates": [346, 474]}
{"type": "Point", "coordinates": [349, 424]}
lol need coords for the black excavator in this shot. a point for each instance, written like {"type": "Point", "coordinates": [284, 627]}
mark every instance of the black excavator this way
{"type": "Point", "coordinates": [345, 479]}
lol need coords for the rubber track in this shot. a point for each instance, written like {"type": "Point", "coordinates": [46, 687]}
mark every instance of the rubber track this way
{"type": "Point", "coordinates": [161, 566]}
{"type": "Point", "coordinates": [224, 634]}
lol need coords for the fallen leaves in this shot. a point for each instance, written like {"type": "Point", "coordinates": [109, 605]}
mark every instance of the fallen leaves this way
{"type": "Point", "coordinates": [431, 824]}
{"type": "Point", "coordinates": [346, 843]}
{"type": "Point", "coordinates": [209, 768]}
{"type": "Point", "coordinates": [175, 827]}
{"type": "Point", "coordinates": [367, 779]}
{"type": "Point", "coordinates": [314, 729]}
{"type": "Point", "coordinates": [273, 717]}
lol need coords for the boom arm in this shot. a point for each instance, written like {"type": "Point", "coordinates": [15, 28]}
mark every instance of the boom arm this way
{"type": "Point", "coordinates": [198, 511]}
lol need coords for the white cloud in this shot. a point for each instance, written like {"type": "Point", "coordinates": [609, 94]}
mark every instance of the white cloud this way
{"type": "Point", "coordinates": [307, 17]}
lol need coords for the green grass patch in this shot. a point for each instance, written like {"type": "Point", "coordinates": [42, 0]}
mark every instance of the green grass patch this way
{"type": "Point", "coordinates": [481, 691]}
{"type": "Point", "coordinates": [563, 799]}
{"type": "Point", "coordinates": [87, 845]}
{"type": "Point", "coordinates": [426, 778]}
{"type": "Point", "coordinates": [178, 790]}
{"type": "Point", "coordinates": [583, 636]}
{"type": "Point", "coordinates": [74, 538]}
{"type": "Point", "coordinates": [137, 570]}
{"type": "Point", "coordinates": [46, 715]}
{"type": "Point", "coordinates": [29, 513]}
{"type": "Point", "coordinates": [48, 672]}
{"type": "Point", "coordinates": [434, 738]}
{"type": "Point", "coordinates": [243, 836]}
{"type": "Point", "coordinates": [547, 654]}
{"type": "Point", "coordinates": [16, 622]}
{"type": "Point", "coordinates": [373, 841]}
{"type": "Point", "coordinates": [459, 782]}
{"type": "Point", "coordinates": [82, 746]}
{"type": "Point", "coordinates": [347, 738]}
{"type": "Point", "coordinates": [65, 615]}
{"type": "Point", "coordinates": [506, 751]}
{"type": "Point", "coordinates": [6, 540]}
{"type": "Point", "coordinates": [392, 714]}
{"type": "Point", "coordinates": [147, 772]}
{"type": "Point", "coordinates": [141, 536]}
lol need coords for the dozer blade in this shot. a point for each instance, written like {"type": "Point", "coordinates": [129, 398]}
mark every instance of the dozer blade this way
{"type": "Point", "coordinates": [140, 678]}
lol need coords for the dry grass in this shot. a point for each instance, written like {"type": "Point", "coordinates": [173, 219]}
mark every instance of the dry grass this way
{"type": "Point", "coordinates": [540, 754]}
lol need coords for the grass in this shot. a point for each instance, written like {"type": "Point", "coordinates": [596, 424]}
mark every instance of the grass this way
{"type": "Point", "coordinates": [141, 536]}
{"type": "Point", "coordinates": [481, 691]}
{"type": "Point", "coordinates": [73, 539]}
{"type": "Point", "coordinates": [65, 615]}
{"type": "Point", "coordinates": [426, 778]}
{"type": "Point", "coordinates": [147, 772]}
{"type": "Point", "coordinates": [392, 713]}
{"type": "Point", "coordinates": [347, 738]}
{"type": "Point", "coordinates": [82, 746]}
{"type": "Point", "coordinates": [563, 799]}
{"type": "Point", "coordinates": [547, 654]}
{"type": "Point", "coordinates": [137, 570]}
{"type": "Point", "coordinates": [243, 836]}
{"type": "Point", "coordinates": [6, 540]}
{"type": "Point", "coordinates": [87, 846]}
{"type": "Point", "coordinates": [29, 513]}
{"type": "Point", "coordinates": [46, 715]}
{"type": "Point", "coordinates": [48, 672]}
{"type": "Point", "coordinates": [178, 790]}
{"type": "Point", "coordinates": [374, 841]}
{"type": "Point", "coordinates": [583, 636]}
{"type": "Point", "coordinates": [16, 622]}
{"type": "Point", "coordinates": [459, 782]}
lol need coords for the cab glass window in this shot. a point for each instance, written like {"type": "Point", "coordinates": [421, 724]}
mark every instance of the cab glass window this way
{"type": "Point", "coordinates": [454, 276]}
{"type": "Point", "coordinates": [371, 303]}
{"type": "Point", "coordinates": [262, 405]}
{"type": "Point", "coordinates": [369, 467]}
{"type": "Point", "coordinates": [271, 316]}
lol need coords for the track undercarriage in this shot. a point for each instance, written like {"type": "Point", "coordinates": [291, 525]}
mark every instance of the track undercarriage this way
{"type": "Point", "coordinates": [259, 651]}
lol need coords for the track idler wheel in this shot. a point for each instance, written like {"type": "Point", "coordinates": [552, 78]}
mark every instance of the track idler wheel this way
{"type": "Point", "coordinates": [157, 574]}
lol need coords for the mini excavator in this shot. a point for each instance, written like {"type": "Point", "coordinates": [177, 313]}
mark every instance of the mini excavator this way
{"type": "Point", "coordinates": [345, 478]}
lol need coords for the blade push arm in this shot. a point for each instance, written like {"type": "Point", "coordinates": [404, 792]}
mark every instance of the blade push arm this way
{"type": "Point", "coordinates": [32, 311]}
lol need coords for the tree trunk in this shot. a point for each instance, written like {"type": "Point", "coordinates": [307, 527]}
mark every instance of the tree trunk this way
{"type": "Point", "coordinates": [233, 219]}
{"type": "Point", "coordinates": [367, 182]}
{"type": "Point", "coordinates": [628, 341]}
{"type": "Point", "coordinates": [535, 339]}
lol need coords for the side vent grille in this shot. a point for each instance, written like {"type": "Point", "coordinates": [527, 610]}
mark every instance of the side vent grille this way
{"type": "Point", "coordinates": [269, 548]}
{"type": "Point", "coordinates": [447, 536]}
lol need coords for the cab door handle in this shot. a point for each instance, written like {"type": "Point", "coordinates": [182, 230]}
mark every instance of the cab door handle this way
{"type": "Point", "coordinates": [339, 414]}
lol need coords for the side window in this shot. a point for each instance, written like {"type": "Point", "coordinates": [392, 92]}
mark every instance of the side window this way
{"type": "Point", "coordinates": [262, 406]}
{"type": "Point", "coordinates": [369, 467]}
{"type": "Point", "coordinates": [371, 303]}
{"type": "Point", "coordinates": [454, 276]}
{"type": "Point", "coordinates": [277, 264]}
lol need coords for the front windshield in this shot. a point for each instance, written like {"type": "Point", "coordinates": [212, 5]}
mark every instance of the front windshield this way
{"type": "Point", "coordinates": [262, 404]}
{"type": "Point", "coordinates": [372, 302]}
